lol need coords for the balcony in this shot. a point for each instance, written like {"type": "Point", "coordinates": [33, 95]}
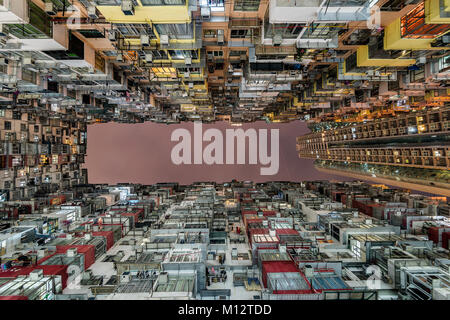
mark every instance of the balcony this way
{"type": "Point", "coordinates": [37, 34]}
{"type": "Point", "coordinates": [13, 11]}
{"type": "Point", "coordinates": [344, 10]}
{"type": "Point", "coordinates": [151, 11]}
{"type": "Point", "coordinates": [290, 11]}
{"type": "Point", "coordinates": [320, 35]}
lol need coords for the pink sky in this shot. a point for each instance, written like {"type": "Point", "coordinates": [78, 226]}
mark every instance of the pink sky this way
{"type": "Point", "coordinates": [140, 153]}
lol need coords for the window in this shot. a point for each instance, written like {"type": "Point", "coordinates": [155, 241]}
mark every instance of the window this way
{"type": "Point", "coordinates": [182, 54]}
{"type": "Point", "coordinates": [163, 2]}
{"type": "Point", "coordinates": [7, 125]}
{"type": "Point", "coordinates": [246, 5]}
{"type": "Point", "coordinates": [176, 31]}
{"type": "Point", "coordinates": [23, 127]}
{"type": "Point", "coordinates": [239, 34]}
{"type": "Point", "coordinates": [159, 55]}
{"type": "Point", "coordinates": [417, 75]}
{"type": "Point", "coordinates": [237, 53]}
{"type": "Point", "coordinates": [91, 33]}
{"type": "Point", "coordinates": [28, 75]}
{"type": "Point", "coordinates": [444, 63]}
{"type": "Point", "coordinates": [210, 33]}
{"type": "Point", "coordinates": [216, 53]}
{"type": "Point", "coordinates": [215, 5]}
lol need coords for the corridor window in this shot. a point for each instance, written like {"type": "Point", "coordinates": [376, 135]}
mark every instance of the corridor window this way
{"type": "Point", "coordinates": [239, 34]}
{"type": "Point", "coordinates": [246, 5]}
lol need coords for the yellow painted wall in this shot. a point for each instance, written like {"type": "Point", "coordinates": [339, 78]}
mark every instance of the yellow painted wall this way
{"type": "Point", "coordinates": [393, 40]}
{"type": "Point", "coordinates": [148, 14]}
{"type": "Point", "coordinates": [363, 60]}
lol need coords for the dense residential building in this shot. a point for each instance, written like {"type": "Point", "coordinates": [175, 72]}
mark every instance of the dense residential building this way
{"type": "Point", "coordinates": [415, 144]}
{"type": "Point", "coordinates": [369, 77]}
{"type": "Point", "coordinates": [313, 240]}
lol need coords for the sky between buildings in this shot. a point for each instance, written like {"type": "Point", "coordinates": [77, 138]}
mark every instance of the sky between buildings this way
{"type": "Point", "coordinates": [140, 153]}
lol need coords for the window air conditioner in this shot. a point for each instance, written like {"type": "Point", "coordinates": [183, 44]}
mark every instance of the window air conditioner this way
{"type": "Point", "coordinates": [26, 60]}
{"type": "Point", "coordinates": [3, 30]}
{"type": "Point", "coordinates": [127, 7]}
{"type": "Point", "coordinates": [220, 37]}
{"type": "Point", "coordinates": [92, 13]}
{"type": "Point", "coordinates": [277, 40]}
{"type": "Point", "coordinates": [112, 35]}
{"type": "Point", "coordinates": [50, 9]}
{"type": "Point", "coordinates": [164, 39]}
{"type": "Point", "coordinates": [188, 60]}
{"type": "Point", "coordinates": [148, 57]}
{"type": "Point", "coordinates": [422, 60]}
{"type": "Point", "coordinates": [145, 40]}
{"type": "Point", "coordinates": [205, 12]}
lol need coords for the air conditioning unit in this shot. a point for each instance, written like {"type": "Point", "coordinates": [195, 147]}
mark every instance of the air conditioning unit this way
{"type": "Point", "coordinates": [422, 60]}
{"type": "Point", "coordinates": [277, 40]}
{"type": "Point", "coordinates": [163, 278]}
{"type": "Point", "coordinates": [112, 35]}
{"type": "Point", "coordinates": [205, 12]}
{"type": "Point", "coordinates": [370, 73]}
{"type": "Point", "coordinates": [26, 60]}
{"type": "Point", "coordinates": [50, 9]}
{"type": "Point", "coordinates": [149, 57]}
{"type": "Point", "coordinates": [188, 60]}
{"type": "Point", "coordinates": [164, 39]}
{"type": "Point", "coordinates": [41, 253]}
{"type": "Point", "coordinates": [125, 277]}
{"type": "Point", "coordinates": [119, 57]}
{"type": "Point", "coordinates": [308, 271]}
{"type": "Point", "coordinates": [92, 12]}
{"type": "Point", "coordinates": [187, 74]}
{"type": "Point", "coordinates": [3, 30]}
{"type": "Point", "coordinates": [191, 85]}
{"type": "Point", "coordinates": [72, 252]}
{"type": "Point", "coordinates": [36, 274]}
{"type": "Point", "coordinates": [127, 7]}
{"type": "Point", "coordinates": [145, 40]}
{"type": "Point", "coordinates": [446, 39]}
{"type": "Point", "coordinates": [220, 37]}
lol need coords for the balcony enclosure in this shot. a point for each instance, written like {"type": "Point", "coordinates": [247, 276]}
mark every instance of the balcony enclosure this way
{"type": "Point", "coordinates": [39, 26]}
{"type": "Point", "coordinates": [323, 10]}
{"type": "Point", "coordinates": [143, 2]}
